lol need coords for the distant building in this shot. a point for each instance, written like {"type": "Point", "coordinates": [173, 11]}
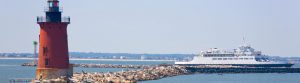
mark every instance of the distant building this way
{"type": "Point", "coordinates": [114, 57]}
{"type": "Point", "coordinates": [143, 57]}
{"type": "Point", "coordinates": [122, 57]}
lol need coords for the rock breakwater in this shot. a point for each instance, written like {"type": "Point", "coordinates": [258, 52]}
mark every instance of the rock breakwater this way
{"type": "Point", "coordinates": [132, 76]}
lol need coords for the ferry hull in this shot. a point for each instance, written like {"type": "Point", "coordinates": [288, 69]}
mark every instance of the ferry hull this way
{"type": "Point", "coordinates": [244, 65]}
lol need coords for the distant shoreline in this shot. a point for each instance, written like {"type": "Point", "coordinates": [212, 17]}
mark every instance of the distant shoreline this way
{"type": "Point", "coordinates": [85, 59]}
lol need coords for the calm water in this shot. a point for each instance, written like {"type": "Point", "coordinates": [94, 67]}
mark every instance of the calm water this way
{"type": "Point", "coordinates": [11, 69]}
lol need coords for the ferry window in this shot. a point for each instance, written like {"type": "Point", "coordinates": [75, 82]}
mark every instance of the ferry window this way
{"type": "Point", "coordinates": [241, 58]}
{"type": "Point", "coordinates": [229, 58]}
{"type": "Point", "coordinates": [224, 58]}
{"type": "Point", "coordinates": [235, 58]}
{"type": "Point", "coordinates": [214, 59]}
{"type": "Point", "coordinates": [251, 58]}
{"type": "Point", "coordinates": [257, 59]}
{"type": "Point", "coordinates": [246, 58]}
{"type": "Point", "coordinates": [219, 58]}
{"type": "Point", "coordinates": [232, 55]}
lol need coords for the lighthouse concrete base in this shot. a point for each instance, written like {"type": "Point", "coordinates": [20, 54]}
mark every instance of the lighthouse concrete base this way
{"type": "Point", "coordinates": [53, 73]}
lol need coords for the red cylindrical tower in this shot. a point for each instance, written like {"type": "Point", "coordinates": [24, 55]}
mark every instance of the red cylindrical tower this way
{"type": "Point", "coordinates": [53, 59]}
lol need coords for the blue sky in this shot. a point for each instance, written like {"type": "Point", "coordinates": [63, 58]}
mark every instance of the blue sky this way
{"type": "Point", "coordinates": [159, 26]}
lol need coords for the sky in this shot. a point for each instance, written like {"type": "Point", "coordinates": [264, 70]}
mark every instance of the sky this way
{"type": "Point", "coordinates": [159, 26]}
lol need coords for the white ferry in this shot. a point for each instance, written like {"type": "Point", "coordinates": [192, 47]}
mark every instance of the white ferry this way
{"type": "Point", "coordinates": [244, 56]}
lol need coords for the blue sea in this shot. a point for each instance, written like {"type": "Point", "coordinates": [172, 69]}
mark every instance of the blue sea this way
{"type": "Point", "coordinates": [10, 68]}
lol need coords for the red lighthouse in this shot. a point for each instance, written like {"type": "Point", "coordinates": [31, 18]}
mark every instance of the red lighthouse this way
{"type": "Point", "coordinates": [53, 59]}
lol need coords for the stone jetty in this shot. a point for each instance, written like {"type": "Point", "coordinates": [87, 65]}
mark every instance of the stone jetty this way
{"type": "Point", "coordinates": [131, 76]}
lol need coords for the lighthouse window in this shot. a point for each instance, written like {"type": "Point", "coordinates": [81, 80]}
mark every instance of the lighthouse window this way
{"type": "Point", "coordinates": [46, 62]}
{"type": "Point", "coordinates": [50, 4]}
{"type": "Point", "coordinates": [45, 50]}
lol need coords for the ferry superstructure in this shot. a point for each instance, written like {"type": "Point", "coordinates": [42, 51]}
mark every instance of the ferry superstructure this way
{"type": "Point", "coordinates": [244, 56]}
